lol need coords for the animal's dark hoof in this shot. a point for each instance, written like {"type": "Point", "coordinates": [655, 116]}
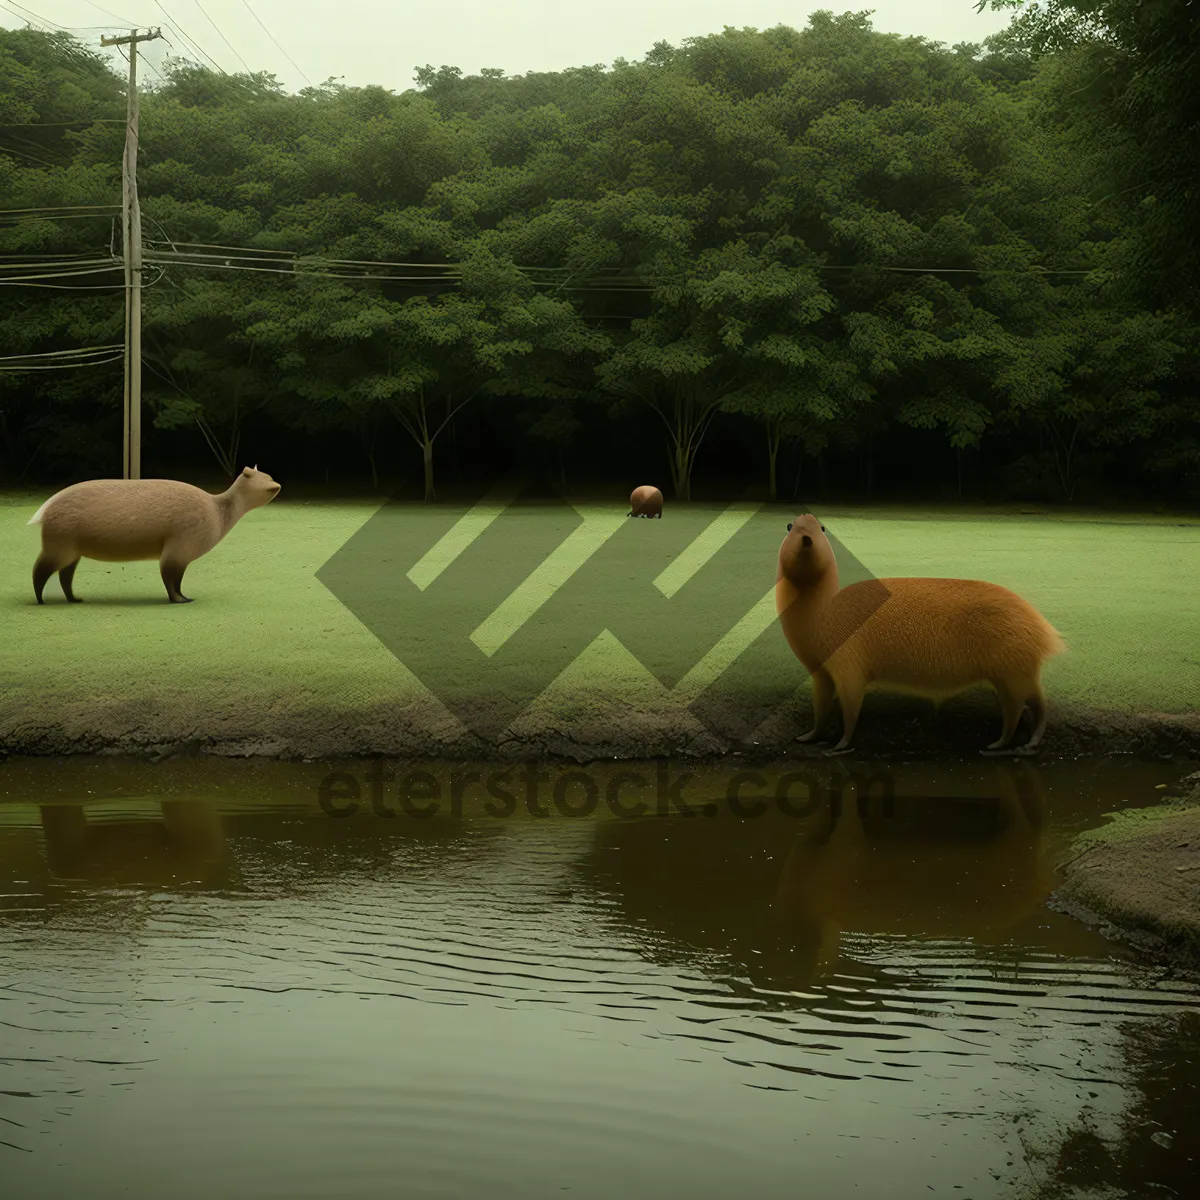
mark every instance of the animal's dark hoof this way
{"type": "Point", "coordinates": [835, 751]}
{"type": "Point", "coordinates": [74, 600]}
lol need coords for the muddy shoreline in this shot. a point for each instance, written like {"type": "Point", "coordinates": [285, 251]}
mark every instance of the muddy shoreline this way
{"type": "Point", "coordinates": [892, 728]}
{"type": "Point", "coordinates": [1137, 878]}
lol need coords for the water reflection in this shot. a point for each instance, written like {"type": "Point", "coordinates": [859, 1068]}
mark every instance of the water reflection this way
{"type": "Point", "coordinates": [958, 860]}
{"type": "Point", "coordinates": [208, 984]}
{"type": "Point", "coordinates": [956, 855]}
{"type": "Point", "coordinates": [185, 846]}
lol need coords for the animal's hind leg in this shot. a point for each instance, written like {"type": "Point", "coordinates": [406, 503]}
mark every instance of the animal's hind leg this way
{"type": "Point", "coordinates": [66, 577]}
{"type": "Point", "coordinates": [1037, 706]}
{"type": "Point", "coordinates": [1012, 704]}
{"type": "Point", "coordinates": [45, 566]}
{"type": "Point", "coordinates": [172, 571]}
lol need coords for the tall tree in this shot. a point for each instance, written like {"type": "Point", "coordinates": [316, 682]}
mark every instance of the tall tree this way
{"type": "Point", "coordinates": [1122, 76]}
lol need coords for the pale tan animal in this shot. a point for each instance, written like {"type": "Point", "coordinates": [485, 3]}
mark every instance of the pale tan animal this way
{"type": "Point", "coordinates": [929, 637]}
{"type": "Point", "coordinates": [132, 520]}
{"type": "Point", "coordinates": [646, 501]}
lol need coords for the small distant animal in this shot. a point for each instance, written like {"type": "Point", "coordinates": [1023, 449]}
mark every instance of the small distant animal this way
{"type": "Point", "coordinates": [133, 520]}
{"type": "Point", "coordinates": [929, 637]}
{"type": "Point", "coordinates": [646, 501]}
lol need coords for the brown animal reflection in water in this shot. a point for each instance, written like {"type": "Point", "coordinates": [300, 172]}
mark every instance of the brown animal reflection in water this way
{"type": "Point", "coordinates": [949, 862]}
{"type": "Point", "coordinates": [186, 847]}
{"type": "Point", "coordinates": [954, 858]}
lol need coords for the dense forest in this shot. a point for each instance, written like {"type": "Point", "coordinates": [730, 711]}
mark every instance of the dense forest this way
{"type": "Point", "coordinates": [828, 261]}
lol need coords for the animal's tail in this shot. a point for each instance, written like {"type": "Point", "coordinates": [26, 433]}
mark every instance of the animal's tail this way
{"type": "Point", "coordinates": [36, 519]}
{"type": "Point", "coordinates": [1054, 641]}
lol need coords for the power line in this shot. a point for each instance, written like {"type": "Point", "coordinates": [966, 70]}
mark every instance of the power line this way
{"type": "Point", "coordinates": [289, 267]}
{"type": "Point", "coordinates": [38, 160]}
{"type": "Point", "coordinates": [77, 353]}
{"type": "Point", "coordinates": [186, 37]}
{"type": "Point", "coordinates": [34, 16]}
{"type": "Point", "coordinates": [100, 362]}
{"type": "Point", "coordinates": [80, 262]}
{"type": "Point", "coordinates": [19, 17]}
{"type": "Point", "coordinates": [61, 217]}
{"type": "Point", "coordinates": [69, 28]}
{"type": "Point", "coordinates": [18, 280]}
{"type": "Point", "coordinates": [237, 263]}
{"type": "Point", "coordinates": [58, 208]}
{"type": "Point", "coordinates": [124, 24]}
{"type": "Point", "coordinates": [228, 265]}
{"type": "Point", "coordinates": [86, 287]}
{"type": "Point", "coordinates": [253, 253]}
{"type": "Point", "coordinates": [45, 260]}
{"type": "Point", "coordinates": [53, 124]}
{"type": "Point", "coordinates": [75, 28]}
{"type": "Point", "coordinates": [223, 37]}
{"type": "Point", "coordinates": [145, 60]}
{"type": "Point", "coordinates": [276, 44]}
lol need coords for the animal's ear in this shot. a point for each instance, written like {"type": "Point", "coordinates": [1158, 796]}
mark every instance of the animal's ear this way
{"type": "Point", "coordinates": [247, 472]}
{"type": "Point", "coordinates": [806, 541]}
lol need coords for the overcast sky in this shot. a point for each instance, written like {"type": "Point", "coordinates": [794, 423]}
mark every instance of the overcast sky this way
{"type": "Point", "coordinates": [382, 41]}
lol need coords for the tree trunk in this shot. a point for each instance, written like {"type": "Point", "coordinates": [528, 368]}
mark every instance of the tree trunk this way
{"type": "Point", "coordinates": [427, 453]}
{"type": "Point", "coordinates": [870, 465]}
{"type": "Point", "coordinates": [1063, 463]}
{"type": "Point", "coordinates": [370, 440]}
{"type": "Point", "coordinates": [562, 472]}
{"type": "Point", "coordinates": [959, 455]}
{"type": "Point", "coordinates": [681, 473]}
{"type": "Point", "coordinates": [773, 454]}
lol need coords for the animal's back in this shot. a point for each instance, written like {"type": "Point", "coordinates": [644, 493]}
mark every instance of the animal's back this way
{"type": "Point", "coordinates": [646, 499]}
{"type": "Point", "coordinates": [938, 636]}
{"type": "Point", "coordinates": [124, 520]}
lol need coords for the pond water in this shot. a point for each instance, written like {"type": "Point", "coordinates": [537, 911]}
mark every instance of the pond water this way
{"type": "Point", "coordinates": [249, 980]}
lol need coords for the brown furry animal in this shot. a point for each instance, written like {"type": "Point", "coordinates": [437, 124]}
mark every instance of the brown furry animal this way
{"type": "Point", "coordinates": [646, 501]}
{"type": "Point", "coordinates": [929, 637]}
{"type": "Point", "coordinates": [131, 520]}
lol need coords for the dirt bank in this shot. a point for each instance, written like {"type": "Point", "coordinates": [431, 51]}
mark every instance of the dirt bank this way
{"type": "Point", "coordinates": [584, 727]}
{"type": "Point", "coordinates": [1138, 877]}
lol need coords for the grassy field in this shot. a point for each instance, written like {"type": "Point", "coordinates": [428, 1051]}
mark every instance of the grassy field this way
{"type": "Point", "coordinates": [619, 636]}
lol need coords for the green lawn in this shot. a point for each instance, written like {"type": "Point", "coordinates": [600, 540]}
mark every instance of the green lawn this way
{"type": "Point", "coordinates": [269, 654]}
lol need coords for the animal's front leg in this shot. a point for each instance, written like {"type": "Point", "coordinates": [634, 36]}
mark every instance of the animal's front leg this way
{"type": "Point", "coordinates": [822, 698]}
{"type": "Point", "coordinates": [850, 692]}
{"type": "Point", "coordinates": [172, 576]}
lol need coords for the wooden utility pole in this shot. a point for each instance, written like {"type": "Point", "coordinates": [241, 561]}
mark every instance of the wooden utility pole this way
{"type": "Point", "coordinates": [132, 246]}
